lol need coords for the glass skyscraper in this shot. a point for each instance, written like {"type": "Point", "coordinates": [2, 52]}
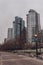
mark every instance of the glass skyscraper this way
{"type": "Point", "coordinates": [33, 25]}
{"type": "Point", "coordinates": [17, 24]}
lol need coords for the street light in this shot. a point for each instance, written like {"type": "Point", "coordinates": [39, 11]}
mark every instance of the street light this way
{"type": "Point", "coordinates": [35, 35]}
{"type": "Point", "coordinates": [36, 40]}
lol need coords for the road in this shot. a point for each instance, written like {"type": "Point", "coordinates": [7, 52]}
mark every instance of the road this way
{"type": "Point", "coordinates": [15, 59]}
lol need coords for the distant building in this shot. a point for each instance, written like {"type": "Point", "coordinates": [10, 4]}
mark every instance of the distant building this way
{"type": "Point", "coordinates": [10, 33]}
{"type": "Point", "coordinates": [18, 26]}
{"type": "Point", "coordinates": [33, 25]}
{"type": "Point", "coordinates": [23, 35]}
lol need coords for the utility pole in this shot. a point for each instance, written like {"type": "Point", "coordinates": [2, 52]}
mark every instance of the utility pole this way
{"type": "Point", "coordinates": [36, 41]}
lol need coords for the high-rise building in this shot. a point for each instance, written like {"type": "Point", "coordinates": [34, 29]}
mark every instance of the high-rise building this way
{"type": "Point", "coordinates": [18, 26]}
{"type": "Point", "coordinates": [33, 25]}
{"type": "Point", "coordinates": [10, 34]}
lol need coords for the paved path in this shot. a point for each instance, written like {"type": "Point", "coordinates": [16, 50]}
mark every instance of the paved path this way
{"type": "Point", "coordinates": [15, 59]}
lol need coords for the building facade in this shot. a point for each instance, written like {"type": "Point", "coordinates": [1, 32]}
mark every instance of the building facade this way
{"type": "Point", "coordinates": [33, 25]}
{"type": "Point", "coordinates": [10, 34]}
{"type": "Point", "coordinates": [18, 26]}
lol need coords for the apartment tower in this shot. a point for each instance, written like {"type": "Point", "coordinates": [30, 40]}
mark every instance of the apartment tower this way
{"type": "Point", "coordinates": [33, 25]}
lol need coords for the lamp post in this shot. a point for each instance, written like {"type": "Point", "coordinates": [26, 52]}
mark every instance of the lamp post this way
{"type": "Point", "coordinates": [36, 40]}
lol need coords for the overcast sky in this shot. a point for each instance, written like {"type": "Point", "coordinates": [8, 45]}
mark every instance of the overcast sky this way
{"type": "Point", "coordinates": [11, 8]}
